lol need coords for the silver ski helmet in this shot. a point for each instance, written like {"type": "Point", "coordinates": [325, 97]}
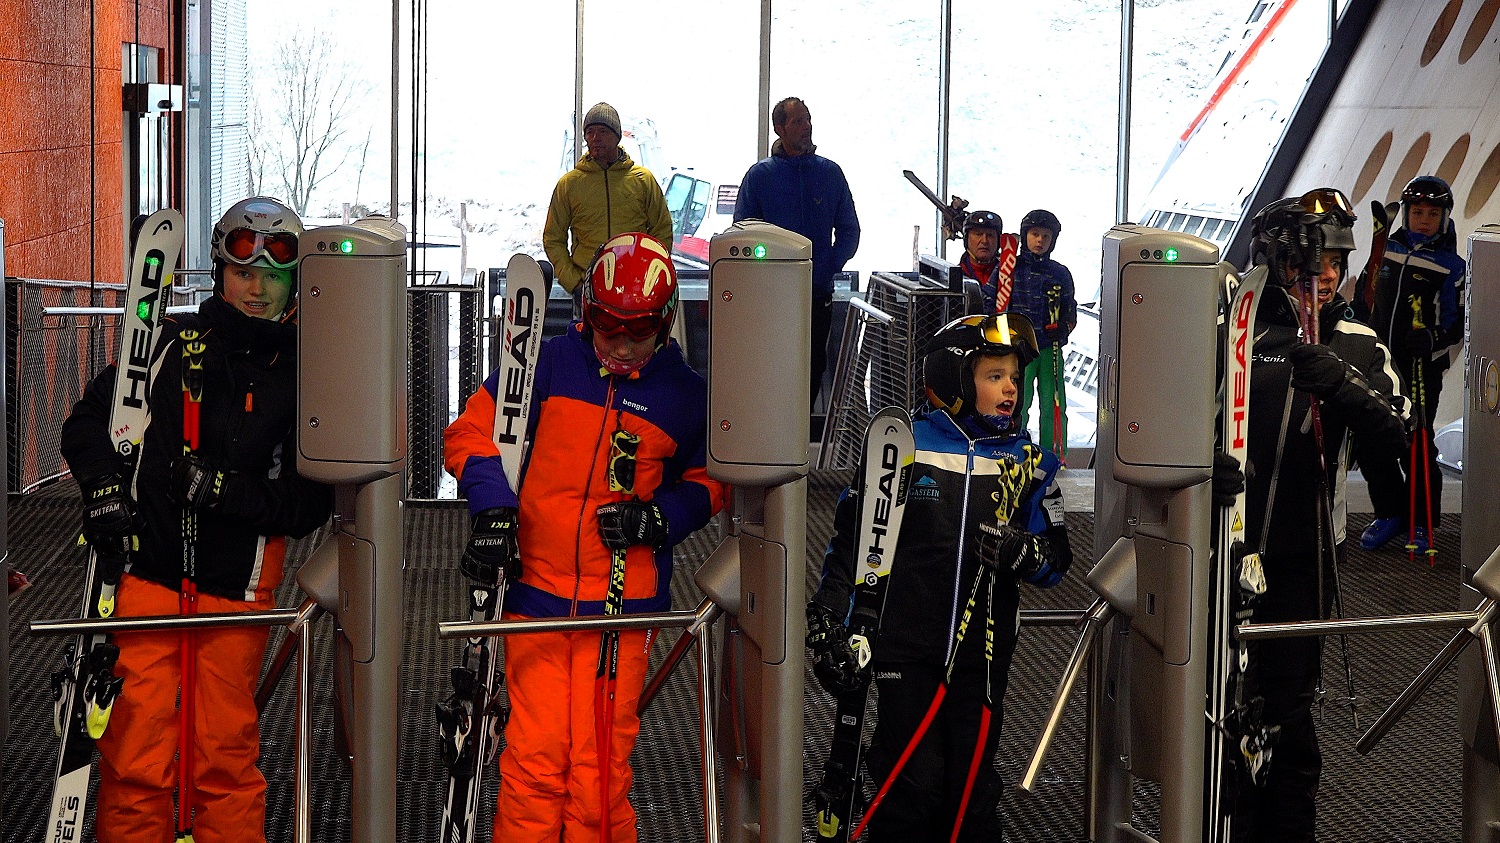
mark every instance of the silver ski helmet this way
{"type": "Point", "coordinates": [259, 231]}
{"type": "Point", "coordinates": [1427, 189]}
{"type": "Point", "coordinates": [948, 362]}
{"type": "Point", "coordinates": [1294, 232]}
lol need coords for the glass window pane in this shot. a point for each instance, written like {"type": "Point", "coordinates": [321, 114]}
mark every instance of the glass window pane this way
{"type": "Point", "coordinates": [685, 74]}
{"type": "Point", "coordinates": [497, 116]}
{"type": "Point", "coordinates": [868, 73]}
{"type": "Point", "coordinates": [332, 71]}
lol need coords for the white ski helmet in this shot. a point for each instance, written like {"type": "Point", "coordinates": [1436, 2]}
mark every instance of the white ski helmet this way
{"type": "Point", "coordinates": [259, 231]}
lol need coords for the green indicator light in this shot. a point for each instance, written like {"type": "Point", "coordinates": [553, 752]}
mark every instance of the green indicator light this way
{"type": "Point", "coordinates": [1171, 255]}
{"type": "Point", "coordinates": [347, 247]}
{"type": "Point", "coordinates": [153, 260]}
{"type": "Point", "coordinates": [760, 251]}
{"type": "Point", "coordinates": [143, 310]}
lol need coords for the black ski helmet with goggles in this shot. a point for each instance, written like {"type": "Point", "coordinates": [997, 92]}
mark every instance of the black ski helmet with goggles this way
{"type": "Point", "coordinates": [1427, 189]}
{"type": "Point", "coordinates": [259, 231]}
{"type": "Point", "coordinates": [1293, 233]}
{"type": "Point", "coordinates": [948, 361]}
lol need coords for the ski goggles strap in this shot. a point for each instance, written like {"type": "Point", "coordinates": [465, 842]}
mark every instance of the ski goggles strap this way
{"type": "Point", "coordinates": [246, 245]}
{"type": "Point", "coordinates": [621, 469]}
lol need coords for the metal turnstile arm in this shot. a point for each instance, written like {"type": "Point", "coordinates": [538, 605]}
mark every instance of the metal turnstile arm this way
{"type": "Point", "coordinates": [1094, 621]}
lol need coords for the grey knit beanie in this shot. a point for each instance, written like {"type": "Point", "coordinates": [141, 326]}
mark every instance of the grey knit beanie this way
{"type": "Point", "coordinates": [604, 114]}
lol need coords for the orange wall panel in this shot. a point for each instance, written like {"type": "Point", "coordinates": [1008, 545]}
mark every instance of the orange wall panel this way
{"type": "Point", "coordinates": [45, 105]}
{"type": "Point", "coordinates": [43, 31]}
{"type": "Point", "coordinates": [61, 94]}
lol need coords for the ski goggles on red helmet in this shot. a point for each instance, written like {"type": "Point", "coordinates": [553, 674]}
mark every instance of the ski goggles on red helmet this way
{"type": "Point", "coordinates": [246, 245]}
{"type": "Point", "coordinates": [641, 326]}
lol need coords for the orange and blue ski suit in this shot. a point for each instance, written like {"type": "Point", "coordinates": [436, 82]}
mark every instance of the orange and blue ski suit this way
{"type": "Point", "coordinates": [549, 786]}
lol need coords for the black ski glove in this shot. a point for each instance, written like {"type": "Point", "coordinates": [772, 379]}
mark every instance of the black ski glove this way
{"type": "Point", "coordinates": [111, 522]}
{"type": "Point", "coordinates": [200, 486]}
{"type": "Point", "coordinates": [1228, 479]}
{"type": "Point", "coordinates": [1421, 342]}
{"type": "Point", "coordinates": [1316, 369]}
{"type": "Point", "coordinates": [630, 523]}
{"type": "Point", "coordinates": [493, 547]}
{"type": "Point", "coordinates": [1006, 548]}
{"type": "Point", "coordinates": [835, 665]}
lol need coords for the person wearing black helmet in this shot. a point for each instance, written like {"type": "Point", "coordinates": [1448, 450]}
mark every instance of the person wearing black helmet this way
{"type": "Point", "coordinates": [1044, 294]}
{"type": "Point", "coordinates": [242, 485]}
{"type": "Point", "coordinates": [989, 258]}
{"type": "Point", "coordinates": [953, 539]}
{"type": "Point", "coordinates": [1302, 244]}
{"type": "Point", "coordinates": [1419, 313]}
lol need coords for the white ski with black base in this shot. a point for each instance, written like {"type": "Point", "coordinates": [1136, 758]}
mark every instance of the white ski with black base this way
{"type": "Point", "coordinates": [1239, 745]}
{"type": "Point", "coordinates": [85, 687]}
{"type": "Point", "coordinates": [471, 719]}
{"type": "Point", "coordinates": [886, 473]}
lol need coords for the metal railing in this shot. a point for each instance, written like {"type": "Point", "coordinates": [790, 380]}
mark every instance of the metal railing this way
{"type": "Point", "coordinates": [879, 360]}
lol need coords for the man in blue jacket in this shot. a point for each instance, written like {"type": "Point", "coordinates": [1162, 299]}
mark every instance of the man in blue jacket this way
{"type": "Point", "coordinates": [804, 192]}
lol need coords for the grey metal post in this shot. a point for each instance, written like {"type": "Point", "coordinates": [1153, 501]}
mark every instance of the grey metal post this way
{"type": "Point", "coordinates": [351, 432]}
{"type": "Point", "coordinates": [1151, 491]}
{"type": "Point", "coordinates": [760, 286]}
{"type": "Point", "coordinates": [1481, 531]}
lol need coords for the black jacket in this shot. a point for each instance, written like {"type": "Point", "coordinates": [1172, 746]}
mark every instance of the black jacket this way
{"type": "Point", "coordinates": [952, 487]}
{"type": "Point", "coordinates": [247, 429]}
{"type": "Point", "coordinates": [1282, 447]}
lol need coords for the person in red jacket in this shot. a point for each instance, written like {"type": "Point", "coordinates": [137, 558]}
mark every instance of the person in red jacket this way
{"type": "Point", "coordinates": [242, 484]}
{"type": "Point", "coordinates": [618, 433]}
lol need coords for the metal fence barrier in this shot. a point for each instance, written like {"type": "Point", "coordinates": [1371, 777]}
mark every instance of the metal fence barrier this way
{"type": "Point", "coordinates": [50, 357]}
{"type": "Point", "coordinates": [879, 362]}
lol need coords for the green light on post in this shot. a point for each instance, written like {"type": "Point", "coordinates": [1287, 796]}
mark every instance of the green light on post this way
{"type": "Point", "coordinates": [347, 247]}
{"type": "Point", "coordinates": [143, 310]}
{"type": "Point", "coordinates": [760, 251]}
{"type": "Point", "coordinates": [1170, 255]}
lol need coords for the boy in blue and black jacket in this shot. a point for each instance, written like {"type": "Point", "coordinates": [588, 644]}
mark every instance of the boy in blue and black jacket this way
{"type": "Point", "coordinates": [953, 540]}
{"type": "Point", "coordinates": [1418, 314]}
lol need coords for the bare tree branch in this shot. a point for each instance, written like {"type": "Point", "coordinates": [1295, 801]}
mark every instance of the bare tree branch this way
{"type": "Point", "coordinates": [306, 111]}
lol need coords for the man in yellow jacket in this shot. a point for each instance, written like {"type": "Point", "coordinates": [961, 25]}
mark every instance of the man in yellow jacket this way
{"type": "Point", "coordinates": [604, 195]}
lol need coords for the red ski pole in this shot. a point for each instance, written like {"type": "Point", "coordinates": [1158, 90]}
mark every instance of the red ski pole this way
{"type": "Point", "coordinates": [187, 600]}
{"type": "Point", "coordinates": [985, 713]}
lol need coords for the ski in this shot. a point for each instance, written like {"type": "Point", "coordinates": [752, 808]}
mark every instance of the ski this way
{"type": "Point", "coordinates": [885, 472]}
{"type": "Point", "coordinates": [1237, 579]}
{"type": "Point", "coordinates": [952, 210]}
{"type": "Point", "coordinates": [1363, 299]}
{"type": "Point", "coordinates": [84, 688]}
{"type": "Point", "coordinates": [471, 718]}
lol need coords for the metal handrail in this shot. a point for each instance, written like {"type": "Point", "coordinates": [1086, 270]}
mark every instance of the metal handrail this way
{"type": "Point", "coordinates": [644, 620]}
{"type": "Point", "coordinates": [302, 798]}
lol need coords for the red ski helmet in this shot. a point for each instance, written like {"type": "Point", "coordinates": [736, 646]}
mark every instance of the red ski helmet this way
{"type": "Point", "coordinates": [631, 288]}
{"type": "Point", "coordinates": [948, 364]}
